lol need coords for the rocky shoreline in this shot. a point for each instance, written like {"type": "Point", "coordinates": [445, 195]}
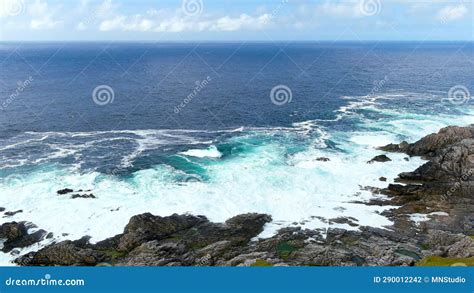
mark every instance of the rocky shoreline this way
{"type": "Point", "coordinates": [440, 192]}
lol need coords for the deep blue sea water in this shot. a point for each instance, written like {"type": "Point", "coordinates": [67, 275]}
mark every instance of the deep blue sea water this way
{"type": "Point", "coordinates": [191, 127]}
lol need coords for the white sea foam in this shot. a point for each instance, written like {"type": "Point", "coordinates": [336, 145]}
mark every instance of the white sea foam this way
{"type": "Point", "coordinates": [211, 152]}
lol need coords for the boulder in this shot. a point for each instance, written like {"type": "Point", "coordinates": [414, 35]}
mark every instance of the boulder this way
{"type": "Point", "coordinates": [16, 235]}
{"type": "Point", "coordinates": [379, 158]}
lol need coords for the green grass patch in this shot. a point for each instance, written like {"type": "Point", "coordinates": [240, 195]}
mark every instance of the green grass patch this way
{"type": "Point", "coordinates": [173, 239]}
{"type": "Point", "coordinates": [437, 261]}
{"type": "Point", "coordinates": [261, 263]}
{"type": "Point", "coordinates": [284, 249]}
{"type": "Point", "coordinates": [472, 237]}
{"type": "Point", "coordinates": [424, 246]}
{"type": "Point", "coordinates": [114, 254]}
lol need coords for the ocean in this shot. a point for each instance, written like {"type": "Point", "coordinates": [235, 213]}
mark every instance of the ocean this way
{"type": "Point", "coordinates": [216, 129]}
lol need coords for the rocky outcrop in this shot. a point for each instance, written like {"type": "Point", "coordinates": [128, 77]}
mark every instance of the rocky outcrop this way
{"type": "Point", "coordinates": [379, 158]}
{"type": "Point", "coordinates": [149, 239]}
{"type": "Point", "coordinates": [15, 235]}
{"type": "Point", "coordinates": [430, 144]}
{"type": "Point", "coordinates": [443, 184]}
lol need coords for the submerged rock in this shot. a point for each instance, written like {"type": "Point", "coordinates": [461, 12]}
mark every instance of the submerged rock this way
{"type": "Point", "coordinates": [323, 159]}
{"type": "Point", "coordinates": [9, 214]}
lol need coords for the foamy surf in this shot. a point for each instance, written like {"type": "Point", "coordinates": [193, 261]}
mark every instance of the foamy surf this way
{"type": "Point", "coordinates": [210, 152]}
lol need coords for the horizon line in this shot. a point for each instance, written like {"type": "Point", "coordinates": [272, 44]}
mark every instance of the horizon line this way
{"type": "Point", "coordinates": [234, 41]}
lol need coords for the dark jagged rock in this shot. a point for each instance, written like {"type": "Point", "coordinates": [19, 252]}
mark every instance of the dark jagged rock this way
{"type": "Point", "coordinates": [428, 145]}
{"type": "Point", "coordinates": [323, 159]}
{"type": "Point", "coordinates": [394, 148]}
{"type": "Point", "coordinates": [64, 191]}
{"type": "Point", "coordinates": [452, 163]}
{"type": "Point", "coordinates": [16, 235]}
{"type": "Point", "coordinates": [379, 158]}
{"type": "Point", "coordinates": [147, 227]}
{"type": "Point", "coordinates": [65, 253]}
{"type": "Point", "coordinates": [149, 239]}
{"type": "Point", "coordinates": [9, 214]}
{"type": "Point", "coordinates": [82, 196]}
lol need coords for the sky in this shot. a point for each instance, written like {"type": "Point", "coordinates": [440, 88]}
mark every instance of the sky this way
{"type": "Point", "coordinates": [236, 20]}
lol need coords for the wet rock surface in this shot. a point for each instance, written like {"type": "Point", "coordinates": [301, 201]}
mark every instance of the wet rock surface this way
{"type": "Point", "coordinates": [379, 158]}
{"type": "Point", "coordinates": [15, 235]}
{"type": "Point", "coordinates": [441, 191]}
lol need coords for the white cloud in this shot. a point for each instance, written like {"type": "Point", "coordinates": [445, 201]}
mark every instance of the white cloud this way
{"type": "Point", "coordinates": [42, 16]}
{"type": "Point", "coordinates": [244, 21]}
{"type": "Point", "coordinates": [167, 22]}
{"type": "Point", "coordinates": [452, 12]}
{"type": "Point", "coordinates": [81, 26]}
{"type": "Point", "coordinates": [349, 8]}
